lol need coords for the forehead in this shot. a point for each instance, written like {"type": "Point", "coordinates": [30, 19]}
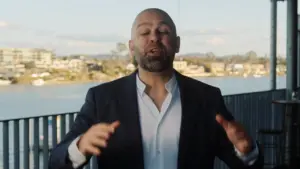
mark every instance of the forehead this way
{"type": "Point", "coordinates": [152, 18]}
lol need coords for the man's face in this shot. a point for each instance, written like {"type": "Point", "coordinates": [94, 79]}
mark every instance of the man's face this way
{"type": "Point", "coordinates": [154, 42]}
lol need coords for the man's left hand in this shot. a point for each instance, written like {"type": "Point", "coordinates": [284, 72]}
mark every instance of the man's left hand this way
{"type": "Point", "coordinates": [236, 134]}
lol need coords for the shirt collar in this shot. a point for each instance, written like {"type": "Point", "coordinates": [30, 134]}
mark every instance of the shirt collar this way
{"type": "Point", "coordinates": [170, 85]}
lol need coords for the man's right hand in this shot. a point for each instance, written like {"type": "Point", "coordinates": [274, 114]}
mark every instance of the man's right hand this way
{"type": "Point", "coordinates": [96, 137]}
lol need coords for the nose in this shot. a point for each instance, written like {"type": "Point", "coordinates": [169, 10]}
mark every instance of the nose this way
{"type": "Point", "coordinates": [155, 37]}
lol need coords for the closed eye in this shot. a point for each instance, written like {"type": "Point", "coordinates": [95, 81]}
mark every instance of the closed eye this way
{"type": "Point", "coordinates": [164, 32]}
{"type": "Point", "coordinates": [145, 33]}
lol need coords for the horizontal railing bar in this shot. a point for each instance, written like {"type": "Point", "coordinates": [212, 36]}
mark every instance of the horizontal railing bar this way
{"type": "Point", "coordinates": [255, 92]}
{"type": "Point", "coordinates": [38, 116]}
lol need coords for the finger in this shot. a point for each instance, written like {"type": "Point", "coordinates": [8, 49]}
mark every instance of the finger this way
{"type": "Point", "coordinates": [93, 150]}
{"type": "Point", "coordinates": [115, 124]}
{"type": "Point", "coordinates": [233, 134]}
{"type": "Point", "coordinates": [235, 127]}
{"type": "Point", "coordinates": [222, 121]}
{"type": "Point", "coordinates": [240, 135]}
{"type": "Point", "coordinates": [98, 142]}
{"type": "Point", "coordinates": [102, 134]}
{"type": "Point", "coordinates": [103, 127]}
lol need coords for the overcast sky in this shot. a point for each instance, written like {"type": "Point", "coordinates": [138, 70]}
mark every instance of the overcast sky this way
{"type": "Point", "coordinates": [95, 26]}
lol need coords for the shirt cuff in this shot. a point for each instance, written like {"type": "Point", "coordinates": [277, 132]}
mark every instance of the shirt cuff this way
{"type": "Point", "coordinates": [75, 156]}
{"type": "Point", "coordinates": [250, 158]}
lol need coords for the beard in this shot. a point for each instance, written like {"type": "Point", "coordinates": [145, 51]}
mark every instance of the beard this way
{"type": "Point", "coordinates": [153, 63]}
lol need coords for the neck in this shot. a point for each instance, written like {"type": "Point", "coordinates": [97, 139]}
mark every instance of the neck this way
{"type": "Point", "coordinates": [155, 79]}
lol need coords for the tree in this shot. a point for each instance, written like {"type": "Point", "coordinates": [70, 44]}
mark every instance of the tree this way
{"type": "Point", "coordinates": [121, 47]}
{"type": "Point", "coordinates": [64, 58]}
{"type": "Point", "coordinates": [251, 55]}
{"type": "Point", "coordinates": [210, 56]}
{"type": "Point", "coordinates": [120, 51]}
{"type": "Point", "coordinates": [29, 65]}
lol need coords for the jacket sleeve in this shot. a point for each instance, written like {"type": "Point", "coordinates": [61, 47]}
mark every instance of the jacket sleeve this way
{"type": "Point", "coordinates": [225, 149]}
{"type": "Point", "coordinates": [59, 157]}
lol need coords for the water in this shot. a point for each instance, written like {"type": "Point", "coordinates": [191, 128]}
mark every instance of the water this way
{"type": "Point", "coordinates": [23, 101]}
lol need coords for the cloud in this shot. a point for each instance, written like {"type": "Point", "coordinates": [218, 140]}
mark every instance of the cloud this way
{"type": "Point", "coordinates": [215, 41]}
{"type": "Point", "coordinates": [66, 47]}
{"type": "Point", "coordinates": [280, 36]}
{"type": "Point", "coordinates": [199, 32]}
{"type": "Point", "coordinates": [95, 38]}
{"type": "Point", "coordinates": [3, 24]}
{"type": "Point", "coordinates": [18, 44]}
{"type": "Point", "coordinates": [9, 26]}
{"type": "Point", "coordinates": [109, 38]}
{"type": "Point", "coordinates": [62, 47]}
{"type": "Point", "coordinates": [77, 43]}
{"type": "Point", "coordinates": [92, 39]}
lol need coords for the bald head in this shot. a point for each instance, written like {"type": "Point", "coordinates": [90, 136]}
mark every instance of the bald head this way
{"type": "Point", "coordinates": [142, 16]}
{"type": "Point", "coordinates": [154, 40]}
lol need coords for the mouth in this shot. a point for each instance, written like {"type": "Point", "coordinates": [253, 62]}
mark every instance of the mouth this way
{"type": "Point", "coordinates": [155, 51]}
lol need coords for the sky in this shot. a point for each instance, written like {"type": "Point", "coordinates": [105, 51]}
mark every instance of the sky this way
{"type": "Point", "coordinates": [95, 26]}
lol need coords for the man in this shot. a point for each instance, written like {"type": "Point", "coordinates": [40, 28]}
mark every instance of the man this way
{"type": "Point", "coordinates": [155, 118]}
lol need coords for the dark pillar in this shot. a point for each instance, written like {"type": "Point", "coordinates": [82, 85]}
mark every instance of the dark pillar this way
{"type": "Point", "coordinates": [298, 58]}
{"type": "Point", "coordinates": [291, 85]}
{"type": "Point", "coordinates": [291, 51]}
{"type": "Point", "coordinates": [273, 46]}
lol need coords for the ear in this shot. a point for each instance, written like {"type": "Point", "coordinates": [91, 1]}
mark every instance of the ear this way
{"type": "Point", "coordinates": [131, 48]}
{"type": "Point", "coordinates": [177, 44]}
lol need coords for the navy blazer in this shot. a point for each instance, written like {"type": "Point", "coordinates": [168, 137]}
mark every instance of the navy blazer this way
{"type": "Point", "coordinates": [201, 137]}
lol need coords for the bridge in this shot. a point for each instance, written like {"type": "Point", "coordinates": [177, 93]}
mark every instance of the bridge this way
{"type": "Point", "coordinates": [24, 148]}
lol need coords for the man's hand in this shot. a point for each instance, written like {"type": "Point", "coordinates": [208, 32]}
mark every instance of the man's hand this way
{"type": "Point", "coordinates": [236, 134]}
{"type": "Point", "coordinates": [96, 137]}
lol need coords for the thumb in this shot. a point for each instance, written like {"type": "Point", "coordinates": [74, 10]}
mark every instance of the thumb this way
{"type": "Point", "coordinates": [222, 121]}
{"type": "Point", "coordinates": [115, 124]}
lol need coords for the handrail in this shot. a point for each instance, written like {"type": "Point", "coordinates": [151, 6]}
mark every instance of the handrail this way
{"type": "Point", "coordinates": [37, 116]}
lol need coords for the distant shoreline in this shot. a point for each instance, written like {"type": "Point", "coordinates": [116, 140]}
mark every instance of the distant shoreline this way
{"type": "Point", "coordinates": [55, 82]}
{"type": "Point", "coordinates": [52, 83]}
{"type": "Point", "coordinates": [71, 82]}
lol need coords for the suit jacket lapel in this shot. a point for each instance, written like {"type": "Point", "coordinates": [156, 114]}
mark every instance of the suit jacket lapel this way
{"type": "Point", "coordinates": [193, 115]}
{"type": "Point", "coordinates": [129, 117]}
{"type": "Point", "coordinates": [192, 102]}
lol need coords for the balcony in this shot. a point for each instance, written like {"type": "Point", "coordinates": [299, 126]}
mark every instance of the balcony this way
{"type": "Point", "coordinates": [26, 142]}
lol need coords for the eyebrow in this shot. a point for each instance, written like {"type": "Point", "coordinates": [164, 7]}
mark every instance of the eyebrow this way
{"type": "Point", "coordinates": [149, 24]}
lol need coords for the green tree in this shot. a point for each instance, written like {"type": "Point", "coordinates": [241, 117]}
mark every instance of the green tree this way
{"type": "Point", "coordinates": [29, 65]}
{"type": "Point", "coordinates": [121, 51]}
{"type": "Point", "coordinates": [251, 56]}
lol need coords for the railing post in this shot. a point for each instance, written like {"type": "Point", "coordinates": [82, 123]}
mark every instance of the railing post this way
{"type": "Point", "coordinates": [5, 144]}
{"type": "Point", "coordinates": [36, 143]}
{"type": "Point", "coordinates": [16, 144]}
{"type": "Point", "coordinates": [54, 130]}
{"type": "Point", "coordinates": [273, 46]}
{"type": "Point", "coordinates": [298, 58]}
{"type": "Point", "coordinates": [26, 147]}
{"type": "Point", "coordinates": [62, 126]}
{"type": "Point", "coordinates": [45, 142]}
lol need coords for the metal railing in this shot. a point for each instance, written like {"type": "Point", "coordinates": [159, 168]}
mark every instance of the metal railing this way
{"type": "Point", "coordinates": [26, 142]}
